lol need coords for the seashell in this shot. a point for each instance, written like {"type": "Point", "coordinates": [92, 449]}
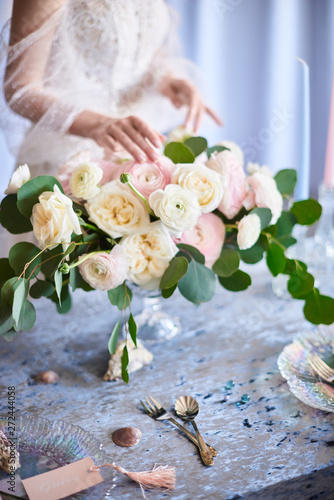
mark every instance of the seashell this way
{"type": "Point", "coordinates": [9, 456]}
{"type": "Point", "coordinates": [138, 357]}
{"type": "Point", "coordinates": [186, 405]}
{"type": "Point", "coordinates": [126, 436]}
{"type": "Point", "coordinates": [47, 377]}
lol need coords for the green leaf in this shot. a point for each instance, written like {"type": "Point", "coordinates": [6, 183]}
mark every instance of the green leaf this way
{"type": "Point", "coordinates": [286, 181]}
{"type": "Point", "coordinates": [216, 149]}
{"type": "Point", "coordinates": [41, 289]}
{"type": "Point", "coordinates": [285, 224]}
{"type": "Point", "coordinates": [275, 259]}
{"type": "Point", "coordinates": [199, 284]}
{"type": "Point", "coordinates": [306, 211]}
{"type": "Point", "coordinates": [6, 272]}
{"type": "Point", "coordinates": [252, 255]}
{"type": "Point", "coordinates": [27, 317]}
{"type": "Point", "coordinates": [227, 263]}
{"type": "Point", "coordinates": [10, 335]}
{"type": "Point", "coordinates": [287, 241]}
{"type": "Point", "coordinates": [112, 344]}
{"type": "Point", "coordinates": [300, 284]}
{"type": "Point", "coordinates": [174, 272]}
{"type": "Point", "coordinates": [125, 364]}
{"type": "Point", "coordinates": [6, 318]}
{"type": "Point", "coordinates": [319, 309]}
{"type": "Point", "coordinates": [196, 144]}
{"type": "Point", "coordinates": [237, 282]}
{"type": "Point", "coordinates": [69, 250]}
{"type": "Point", "coordinates": [190, 252]}
{"type": "Point", "coordinates": [264, 214]}
{"type": "Point", "coordinates": [27, 195]}
{"type": "Point", "coordinates": [120, 296]}
{"type": "Point", "coordinates": [65, 304]}
{"type": "Point", "coordinates": [132, 329]}
{"type": "Point", "coordinates": [77, 281]}
{"type": "Point", "coordinates": [168, 292]}
{"type": "Point", "coordinates": [22, 253]}
{"type": "Point", "coordinates": [51, 260]}
{"type": "Point", "coordinates": [8, 289]}
{"type": "Point", "coordinates": [20, 296]}
{"type": "Point", "coordinates": [58, 277]}
{"type": "Point", "coordinates": [179, 153]}
{"type": "Point", "coordinates": [11, 218]}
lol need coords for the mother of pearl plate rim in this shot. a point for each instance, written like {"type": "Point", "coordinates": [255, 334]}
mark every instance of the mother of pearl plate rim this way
{"type": "Point", "coordinates": [303, 381]}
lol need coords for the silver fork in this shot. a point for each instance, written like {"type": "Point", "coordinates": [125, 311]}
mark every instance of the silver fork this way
{"type": "Point", "coordinates": [157, 412]}
{"type": "Point", "coordinates": [321, 368]}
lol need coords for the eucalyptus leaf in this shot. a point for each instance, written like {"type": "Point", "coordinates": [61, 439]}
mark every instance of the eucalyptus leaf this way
{"type": "Point", "coordinates": [286, 181]}
{"type": "Point", "coordinates": [252, 255]}
{"type": "Point", "coordinates": [237, 282]}
{"type": "Point", "coordinates": [10, 335]}
{"type": "Point", "coordinates": [306, 211]}
{"type": "Point", "coordinates": [11, 218]}
{"type": "Point", "coordinates": [275, 259]}
{"type": "Point", "coordinates": [125, 364]}
{"type": "Point", "coordinates": [65, 304]}
{"type": "Point", "coordinates": [120, 296]}
{"type": "Point", "coordinates": [264, 214]}
{"type": "Point", "coordinates": [179, 153]}
{"type": "Point", "coordinates": [227, 263]}
{"type": "Point", "coordinates": [6, 271]}
{"type": "Point", "coordinates": [216, 149]}
{"type": "Point", "coordinates": [58, 277]}
{"type": "Point", "coordinates": [41, 289]}
{"type": "Point", "coordinates": [27, 195]}
{"type": "Point", "coordinates": [27, 317]}
{"type": "Point", "coordinates": [51, 260]}
{"type": "Point", "coordinates": [6, 318]}
{"type": "Point", "coordinates": [20, 296]}
{"type": "Point", "coordinates": [285, 224]}
{"type": "Point", "coordinates": [190, 252]}
{"type": "Point", "coordinates": [174, 272]}
{"type": "Point", "coordinates": [168, 292]}
{"type": "Point", "coordinates": [287, 241]}
{"type": "Point", "coordinates": [196, 144]}
{"type": "Point", "coordinates": [69, 250]}
{"type": "Point", "coordinates": [8, 289]}
{"type": "Point", "coordinates": [319, 309]}
{"type": "Point", "coordinates": [112, 344]}
{"type": "Point", "coordinates": [22, 253]}
{"type": "Point", "coordinates": [199, 284]}
{"type": "Point", "coordinates": [77, 281]}
{"type": "Point", "coordinates": [132, 329]}
{"type": "Point", "coordinates": [300, 284]}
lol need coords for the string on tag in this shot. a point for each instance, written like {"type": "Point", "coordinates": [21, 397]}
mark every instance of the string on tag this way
{"type": "Point", "coordinates": [162, 477]}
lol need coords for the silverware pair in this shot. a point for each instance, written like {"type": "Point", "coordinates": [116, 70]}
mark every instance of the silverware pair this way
{"type": "Point", "coordinates": [186, 408]}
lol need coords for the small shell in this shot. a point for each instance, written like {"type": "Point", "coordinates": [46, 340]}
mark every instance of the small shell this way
{"type": "Point", "coordinates": [47, 377]}
{"type": "Point", "coordinates": [126, 436]}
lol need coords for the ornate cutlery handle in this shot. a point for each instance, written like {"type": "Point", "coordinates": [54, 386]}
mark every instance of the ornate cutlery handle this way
{"type": "Point", "coordinates": [213, 452]}
{"type": "Point", "coordinates": [203, 449]}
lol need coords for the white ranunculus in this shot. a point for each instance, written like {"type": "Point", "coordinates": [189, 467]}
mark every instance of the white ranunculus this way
{"type": "Point", "coordinates": [104, 271]}
{"type": "Point", "coordinates": [235, 150]}
{"type": "Point", "coordinates": [205, 183]}
{"type": "Point", "coordinates": [53, 219]}
{"type": "Point", "coordinates": [149, 254]}
{"type": "Point", "coordinates": [266, 194]}
{"type": "Point", "coordinates": [117, 210]}
{"type": "Point", "coordinates": [252, 168]}
{"type": "Point", "coordinates": [249, 229]}
{"type": "Point", "coordinates": [19, 177]}
{"type": "Point", "coordinates": [84, 180]}
{"type": "Point", "coordinates": [178, 208]}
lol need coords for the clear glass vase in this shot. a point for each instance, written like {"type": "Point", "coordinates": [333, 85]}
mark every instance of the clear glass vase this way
{"type": "Point", "coordinates": [154, 325]}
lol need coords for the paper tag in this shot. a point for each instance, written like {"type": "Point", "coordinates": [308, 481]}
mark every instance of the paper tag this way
{"type": "Point", "coordinates": [62, 482]}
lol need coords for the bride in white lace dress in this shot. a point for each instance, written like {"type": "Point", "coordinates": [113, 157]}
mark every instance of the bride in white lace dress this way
{"type": "Point", "coordinates": [93, 74]}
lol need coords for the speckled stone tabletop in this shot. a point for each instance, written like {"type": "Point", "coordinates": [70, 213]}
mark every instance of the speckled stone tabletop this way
{"type": "Point", "coordinates": [274, 446]}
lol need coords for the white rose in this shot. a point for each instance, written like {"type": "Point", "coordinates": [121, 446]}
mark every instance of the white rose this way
{"type": "Point", "coordinates": [84, 180]}
{"type": "Point", "coordinates": [266, 194]}
{"type": "Point", "coordinates": [235, 150]}
{"type": "Point", "coordinates": [205, 183]}
{"type": "Point", "coordinates": [252, 168]}
{"type": "Point", "coordinates": [177, 208]}
{"type": "Point", "coordinates": [249, 229]}
{"type": "Point", "coordinates": [104, 271]}
{"type": "Point", "coordinates": [53, 219]}
{"type": "Point", "coordinates": [19, 177]}
{"type": "Point", "coordinates": [117, 210]}
{"type": "Point", "coordinates": [149, 254]}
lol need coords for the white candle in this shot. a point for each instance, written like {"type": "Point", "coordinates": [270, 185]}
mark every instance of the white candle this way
{"type": "Point", "coordinates": [329, 162]}
{"type": "Point", "coordinates": [303, 185]}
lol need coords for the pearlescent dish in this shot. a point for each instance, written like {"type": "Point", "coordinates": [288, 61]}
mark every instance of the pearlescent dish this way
{"type": "Point", "coordinates": [45, 445]}
{"type": "Point", "coordinates": [303, 381]}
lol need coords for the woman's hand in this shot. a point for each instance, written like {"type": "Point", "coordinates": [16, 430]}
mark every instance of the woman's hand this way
{"type": "Point", "coordinates": [113, 134]}
{"type": "Point", "coordinates": [181, 92]}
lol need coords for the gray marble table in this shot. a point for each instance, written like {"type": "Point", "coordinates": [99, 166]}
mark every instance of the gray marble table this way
{"type": "Point", "coordinates": [274, 446]}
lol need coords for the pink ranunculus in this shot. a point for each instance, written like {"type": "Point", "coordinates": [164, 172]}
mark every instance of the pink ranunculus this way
{"type": "Point", "coordinates": [148, 177]}
{"type": "Point", "coordinates": [235, 183]}
{"type": "Point", "coordinates": [207, 236]}
{"type": "Point", "coordinates": [104, 271]}
{"type": "Point", "coordinates": [266, 194]}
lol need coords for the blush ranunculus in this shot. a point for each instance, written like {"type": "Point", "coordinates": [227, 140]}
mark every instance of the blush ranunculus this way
{"type": "Point", "coordinates": [207, 236]}
{"type": "Point", "coordinates": [148, 177]}
{"type": "Point", "coordinates": [234, 179]}
{"type": "Point", "coordinates": [104, 271]}
{"type": "Point", "coordinates": [19, 177]}
{"type": "Point", "coordinates": [266, 194]}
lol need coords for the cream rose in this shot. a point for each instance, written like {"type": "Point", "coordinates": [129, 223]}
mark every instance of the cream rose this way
{"type": "Point", "coordinates": [266, 194]}
{"type": "Point", "coordinates": [85, 179]}
{"type": "Point", "coordinates": [149, 254]}
{"type": "Point", "coordinates": [249, 229]}
{"type": "Point", "coordinates": [177, 208]}
{"type": "Point", "coordinates": [117, 210]}
{"type": "Point", "coordinates": [53, 219]}
{"type": "Point", "coordinates": [205, 183]}
{"type": "Point", "coordinates": [19, 177]}
{"type": "Point", "coordinates": [234, 149]}
{"type": "Point", "coordinates": [104, 271]}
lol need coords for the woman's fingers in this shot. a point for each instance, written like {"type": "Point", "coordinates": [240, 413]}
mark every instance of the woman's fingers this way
{"type": "Point", "coordinates": [214, 116]}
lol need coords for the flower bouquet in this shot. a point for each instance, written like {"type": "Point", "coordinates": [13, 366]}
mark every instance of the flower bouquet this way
{"type": "Point", "coordinates": [185, 221]}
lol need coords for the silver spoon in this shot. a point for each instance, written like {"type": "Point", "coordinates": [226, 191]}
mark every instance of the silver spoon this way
{"type": "Point", "coordinates": [187, 408]}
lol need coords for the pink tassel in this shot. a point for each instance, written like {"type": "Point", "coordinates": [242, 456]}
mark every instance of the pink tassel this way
{"type": "Point", "coordinates": [159, 477]}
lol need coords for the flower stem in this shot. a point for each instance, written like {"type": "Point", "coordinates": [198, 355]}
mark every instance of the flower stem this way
{"type": "Point", "coordinates": [126, 179]}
